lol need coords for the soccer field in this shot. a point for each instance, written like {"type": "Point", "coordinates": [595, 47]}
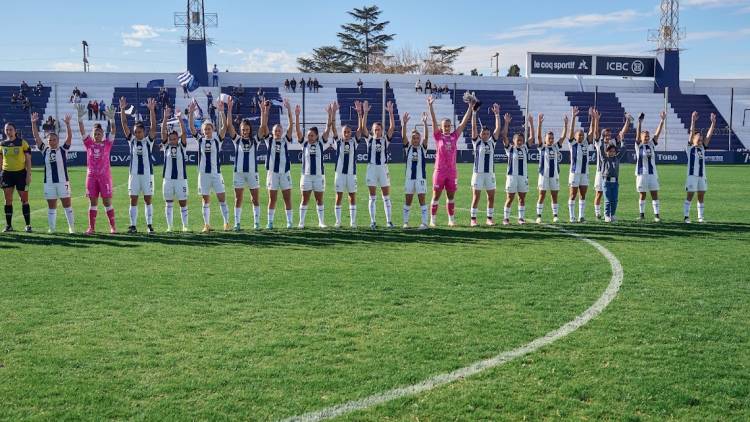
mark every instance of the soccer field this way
{"type": "Point", "coordinates": [268, 325]}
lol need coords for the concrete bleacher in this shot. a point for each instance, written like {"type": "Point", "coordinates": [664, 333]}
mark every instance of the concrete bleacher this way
{"type": "Point", "coordinates": [651, 104]}
{"type": "Point", "coordinates": [415, 103]}
{"type": "Point", "coordinates": [348, 116]}
{"type": "Point", "coordinates": [740, 120]}
{"type": "Point", "coordinates": [314, 107]}
{"type": "Point", "coordinates": [17, 115]}
{"type": "Point", "coordinates": [685, 104]}
{"type": "Point", "coordinates": [63, 106]}
{"type": "Point", "coordinates": [137, 97]}
{"type": "Point", "coordinates": [553, 104]}
{"type": "Point", "coordinates": [505, 99]}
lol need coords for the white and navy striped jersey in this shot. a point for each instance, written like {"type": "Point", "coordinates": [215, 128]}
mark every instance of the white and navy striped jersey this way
{"type": "Point", "coordinates": [346, 156]}
{"type": "Point", "coordinates": [549, 160]}
{"type": "Point", "coordinates": [696, 160]}
{"type": "Point", "coordinates": [55, 163]}
{"type": "Point", "coordinates": [517, 160]}
{"type": "Point", "coordinates": [484, 155]}
{"type": "Point", "coordinates": [416, 162]}
{"type": "Point", "coordinates": [601, 147]}
{"type": "Point", "coordinates": [175, 162]}
{"type": "Point", "coordinates": [245, 154]}
{"type": "Point", "coordinates": [645, 158]}
{"type": "Point", "coordinates": [141, 160]}
{"type": "Point", "coordinates": [312, 158]}
{"type": "Point", "coordinates": [377, 150]}
{"type": "Point", "coordinates": [277, 156]}
{"type": "Point", "coordinates": [209, 151]}
{"type": "Point", "coordinates": [579, 157]}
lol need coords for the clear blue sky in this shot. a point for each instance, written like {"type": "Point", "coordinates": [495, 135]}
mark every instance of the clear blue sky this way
{"type": "Point", "coordinates": [138, 35]}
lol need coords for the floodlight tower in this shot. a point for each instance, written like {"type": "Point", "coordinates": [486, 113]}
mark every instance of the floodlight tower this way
{"type": "Point", "coordinates": [196, 20]}
{"type": "Point", "coordinates": [667, 39]}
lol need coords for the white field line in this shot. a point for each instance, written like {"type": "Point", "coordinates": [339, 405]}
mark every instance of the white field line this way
{"type": "Point", "coordinates": [442, 379]}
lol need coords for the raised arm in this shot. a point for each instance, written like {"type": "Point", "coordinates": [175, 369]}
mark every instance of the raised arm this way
{"type": "Point", "coordinates": [404, 127]}
{"type": "Point", "coordinates": [230, 123]}
{"type": "Point", "coordinates": [151, 105]}
{"type": "Point", "coordinates": [474, 129]}
{"type": "Point", "coordinates": [222, 120]}
{"type": "Point", "coordinates": [710, 132]}
{"type": "Point", "coordinates": [68, 131]}
{"type": "Point", "coordinates": [366, 107]}
{"type": "Point", "coordinates": [639, 128]}
{"type": "Point", "coordinates": [329, 114]}
{"type": "Point", "coordinates": [164, 134]}
{"type": "Point", "coordinates": [539, 134]}
{"type": "Point", "coordinates": [592, 125]}
{"type": "Point", "coordinates": [391, 120]}
{"type": "Point", "coordinates": [530, 138]}
{"type": "Point", "coordinates": [430, 107]}
{"type": "Point", "coordinates": [625, 129]}
{"type": "Point", "coordinates": [573, 115]}
{"type": "Point", "coordinates": [124, 118]}
{"type": "Point", "coordinates": [426, 136]}
{"type": "Point", "coordinates": [81, 111]}
{"type": "Point", "coordinates": [35, 130]}
{"type": "Point", "coordinates": [183, 132]}
{"type": "Point", "coordinates": [564, 134]}
{"type": "Point", "coordinates": [693, 121]}
{"type": "Point", "coordinates": [660, 128]}
{"type": "Point", "coordinates": [465, 120]}
{"type": "Point", "coordinates": [110, 113]}
{"type": "Point", "coordinates": [298, 130]}
{"type": "Point", "coordinates": [358, 109]}
{"type": "Point", "coordinates": [498, 126]}
{"type": "Point", "coordinates": [506, 128]}
{"type": "Point", "coordinates": [334, 111]}
{"type": "Point", "coordinates": [191, 118]}
{"type": "Point", "coordinates": [265, 109]}
{"type": "Point", "coordinates": [288, 108]}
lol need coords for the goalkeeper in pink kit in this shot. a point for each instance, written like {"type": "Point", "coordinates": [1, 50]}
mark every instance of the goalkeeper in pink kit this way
{"type": "Point", "coordinates": [445, 175]}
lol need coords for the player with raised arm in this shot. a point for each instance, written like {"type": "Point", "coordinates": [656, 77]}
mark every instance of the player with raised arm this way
{"type": "Point", "coordinates": [415, 150]}
{"type": "Point", "coordinates": [98, 172]}
{"type": "Point", "coordinates": [209, 164]}
{"type": "Point", "coordinates": [696, 169]}
{"type": "Point", "coordinates": [245, 165]}
{"type": "Point", "coordinates": [141, 176]}
{"type": "Point", "coordinates": [646, 177]}
{"type": "Point", "coordinates": [377, 164]}
{"type": "Point", "coordinates": [175, 184]}
{"type": "Point", "coordinates": [578, 178]}
{"type": "Point", "coordinates": [483, 177]}
{"type": "Point", "coordinates": [445, 175]}
{"type": "Point", "coordinates": [346, 165]}
{"type": "Point", "coordinates": [517, 176]}
{"type": "Point", "coordinates": [549, 167]}
{"type": "Point", "coordinates": [56, 181]}
{"type": "Point", "coordinates": [603, 138]}
{"type": "Point", "coordinates": [312, 180]}
{"type": "Point", "coordinates": [278, 175]}
{"type": "Point", "coordinates": [15, 174]}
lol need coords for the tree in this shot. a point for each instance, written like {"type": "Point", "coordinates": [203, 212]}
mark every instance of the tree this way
{"type": "Point", "coordinates": [364, 37]}
{"type": "Point", "coordinates": [514, 71]}
{"type": "Point", "coordinates": [441, 60]}
{"type": "Point", "coordinates": [326, 59]}
{"type": "Point", "coordinates": [404, 60]}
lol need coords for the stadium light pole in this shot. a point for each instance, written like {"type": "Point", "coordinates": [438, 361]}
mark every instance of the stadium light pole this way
{"type": "Point", "coordinates": [85, 55]}
{"type": "Point", "coordinates": [496, 58]}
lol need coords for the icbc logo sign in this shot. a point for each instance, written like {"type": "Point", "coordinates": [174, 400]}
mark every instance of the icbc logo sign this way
{"type": "Point", "coordinates": [636, 67]}
{"type": "Point", "coordinates": [624, 66]}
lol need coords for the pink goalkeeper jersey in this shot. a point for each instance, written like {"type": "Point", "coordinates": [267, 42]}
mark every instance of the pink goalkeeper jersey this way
{"type": "Point", "coordinates": [97, 156]}
{"type": "Point", "coordinates": [447, 147]}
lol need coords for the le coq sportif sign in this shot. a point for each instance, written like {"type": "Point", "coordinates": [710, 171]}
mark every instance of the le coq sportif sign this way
{"type": "Point", "coordinates": [589, 65]}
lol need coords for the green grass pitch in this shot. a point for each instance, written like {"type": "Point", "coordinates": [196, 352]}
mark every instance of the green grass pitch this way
{"type": "Point", "coordinates": [271, 324]}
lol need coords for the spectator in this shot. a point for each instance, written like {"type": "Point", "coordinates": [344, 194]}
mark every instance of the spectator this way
{"type": "Point", "coordinates": [253, 105]}
{"type": "Point", "coordinates": [261, 95]}
{"type": "Point", "coordinates": [286, 85]}
{"type": "Point", "coordinates": [387, 84]}
{"type": "Point", "coordinates": [185, 92]}
{"type": "Point", "coordinates": [76, 91]}
{"type": "Point", "coordinates": [102, 109]}
{"type": "Point", "coordinates": [26, 104]}
{"type": "Point", "coordinates": [14, 98]}
{"type": "Point", "coordinates": [209, 99]}
{"type": "Point", "coordinates": [316, 84]}
{"type": "Point", "coordinates": [418, 86]}
{"type": "Point", "coordinates": [212, 112]}
{"type": "Point", "coordinates": [49, 124]}
{"type": "Point", "coordinates": [215, 81]}
{"type": "Point", "coordinates": [39, 88]}
{"type": "Point", "coordinates": [302, 84]}
{"type": "Point", "coordinates": [95, 109]}
{"type": "Point", "coordinates": [309, 85]}
{"type": "Point", "coordinates": [360, 85]}
{"type": "Point", "coordinates": [90, 109]}
{"type": "Point", "coordinates": [239, 91]}
{"type": "Point", "coordinates": [24, 87]}
{"type": "Point", "coordinates": [428, 86]}
{"type": "Point", "coordinates": [84, 94]}
{"type": "Point", "coordinates": [293, 83]}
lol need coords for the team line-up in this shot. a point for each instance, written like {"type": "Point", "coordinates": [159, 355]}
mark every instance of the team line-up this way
{"type": "Point", "coordinates": [15, 156]}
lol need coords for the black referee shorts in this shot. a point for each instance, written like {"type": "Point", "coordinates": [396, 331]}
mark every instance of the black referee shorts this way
{"type": "Point", "coordinates": [13, 179]}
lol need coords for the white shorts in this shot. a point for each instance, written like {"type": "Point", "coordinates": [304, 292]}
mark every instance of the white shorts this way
{"type": "Point", "coordinates": [415, 186]}
{"type": "Point", "coordinates": [276, 181]}
{"type": "Point", "coordinates": [483, 181]}
{"type": "Point", "coordinates": [647, 183]}
{"type": "Point", "coordinates": [175, 189]}
{"type": "Point", "coordinates": [246, 180]}
{"type": "Point", "coordinates": [576, 180]}
{"type": "Point", "coordinates": [346, 182]}
{"type": "Point", "coordinates": [140, 184]}
{"type": "Point", "coordinates": [696, 184]}
{"type": "Point", "coordinates": [377, 175]}
{"type": "Point", "coordinates": [58, 190]}
{"type": "Point", "coordinates": [546, 183]}
{"type": "Point", "coordinates": [210, 181]}
{"type": "Point", "coordinates": [598, 182]}
{"type": "Point", "coordinates": [312, 183]}
{"type": "Point", "coordinates": [516, 184]}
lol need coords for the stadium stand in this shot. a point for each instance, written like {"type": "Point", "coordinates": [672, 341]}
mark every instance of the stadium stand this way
{"type": "Point", "coordinates": [685, 104]}
{"type": "Point", "coordinates": [137, 97]}
{"type": "Point", "coordinates": [347, 97]}
{"type": "Point", "coordinates": [15, 112]}
{"type": "Point", "coordinates": [505, 99]}
{"type": "Point", "coordinates": [415, 103]}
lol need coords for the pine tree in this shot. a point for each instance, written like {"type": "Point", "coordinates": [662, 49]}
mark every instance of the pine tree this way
{"type": "Point", "coordinates": [514, 70]}
{"type": "Point", "coordinates": [442, 59]}
{"type": "Point", "coordinates": [326, 59]}
{"type": "Point", "coordinates": [364, 37]}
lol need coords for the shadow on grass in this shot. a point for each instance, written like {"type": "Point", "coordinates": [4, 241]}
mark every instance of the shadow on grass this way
{"type": "Point", "coordinates": [622, 231]}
